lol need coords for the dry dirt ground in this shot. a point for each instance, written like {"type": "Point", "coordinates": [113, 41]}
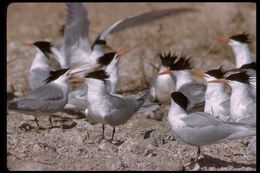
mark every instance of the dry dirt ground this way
{"type": "Point", "coordinates": [144, 143]}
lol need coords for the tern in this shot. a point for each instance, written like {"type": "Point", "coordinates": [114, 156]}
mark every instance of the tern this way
{"type": "Point", "coordinates": [161, 85]}
{"type": "Point", "coordinates": [40, 68]}
{"type": "Point", "coordinates": [240, 47]}
{"type": "Point", "coordinates": [185, 81]}
{"type": "Point", "coordinates": [76, 46]}
{"type": "Point", "coordinates": [107, 62]}
{"type": "Point", "coordinates": [201, 128]}
{"type": "Point", "coordinates": [46, 99]}
{"type": "Point", "coordinates": [250, 70]}
{"type": "Point", "coordinates": [106, 108]}
{"type": "Point", "coordinates": [217, 100]}
{"type": "Point", "coordinates": [242, 101]}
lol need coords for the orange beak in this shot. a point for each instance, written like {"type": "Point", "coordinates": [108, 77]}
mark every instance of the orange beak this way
{"type": "Point", "coordinates": [123, 50]}
{"type": "Point", "coordinates": [166, 72]}
{"type": "Point", "coordinates": [218, 81]}
{"type": "Point", "coordinates": [222, 39]}
{"type": "Point", "coordinates": [77, 80]}
{"type": "Point", "coordinates": [28, 44]}
{"type": "Point", "coordinates": [197, 73]}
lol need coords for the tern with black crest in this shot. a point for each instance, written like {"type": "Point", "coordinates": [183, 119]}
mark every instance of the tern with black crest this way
{"type": "Point", "coordinates": [201, 128]}
{"type": "Point", "coordinates": [180, 69]}
{"type": "Point", "coordinates": [106, 108]}
{"type": "Point", "coordinates": [46, 99]}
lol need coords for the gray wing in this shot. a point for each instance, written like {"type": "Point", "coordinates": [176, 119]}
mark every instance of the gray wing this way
{"type": "Point", "coordinates": [46, 98]}
{"type": "Point", "coordinates": [203, 129]}
{"type": "Point", "coordinates": [117, 101]}
{"type": "Point", "coordinates": [139, 19]}
{"type": "Point", "coordinates": [37, 78]}
{"type": "Point", "coordinates": [76, 29]}
{"type": "Point", "coordinates": [46, 92]}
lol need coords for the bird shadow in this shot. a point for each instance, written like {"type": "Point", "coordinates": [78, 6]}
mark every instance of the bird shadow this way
{"type": "Point", "coordinates": [79, 115]}
{"type": "Point", "coordinates": [208, 161]}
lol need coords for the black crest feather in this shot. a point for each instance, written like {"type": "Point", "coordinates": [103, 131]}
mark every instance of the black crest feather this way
{"type": "Point", "coordinates": [175, 62]}
{"type": "Point", "coordinates": [180, 99]}
{"type": "Point", "coordinates": [56, 74]}
{"type": "Point", "coordinates": [182, 63]}
{"type": "Point", "coordinates": [243, 38]}
{"type": "Point", "coordinates": [240, 77]}
{"type": "Point", "coordinates": [217, 73]}
{"type": "Point", "coordinates": [44, 46]}
{"type": "Point", "coordinates": [100, 74]}
{"type": "Point", "coordinates": [167, 59]}
{"type": "Point", "coordinates": [251, 65]}
{"type": "Point", "coordinates": [107, 58]}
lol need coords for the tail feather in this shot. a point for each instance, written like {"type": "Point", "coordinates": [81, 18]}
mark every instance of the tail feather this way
{"type": "Point", "coordinates": [141, 100]}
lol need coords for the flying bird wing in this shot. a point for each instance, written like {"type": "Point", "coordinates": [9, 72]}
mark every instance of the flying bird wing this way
{"type": "Point", "coordinates": [76, 30]}
{"type": "Point", "coordinates": [139, 19]}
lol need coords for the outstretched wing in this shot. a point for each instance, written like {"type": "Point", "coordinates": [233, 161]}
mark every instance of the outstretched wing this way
{"type": "Point", "coordinates": [139, 19]}
{"type": "Point", "coordinates": [76, 30]}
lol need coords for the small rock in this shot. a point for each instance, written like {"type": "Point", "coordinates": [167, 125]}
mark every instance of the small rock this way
{"type": "Point", "coordinates": [36, 148]}
{"type": "Point", "coordinates": [140, 147]}
{"type": "Point", "coordinates": [113, 163]}
{"type": "Point", "coordinates": [107, 146]}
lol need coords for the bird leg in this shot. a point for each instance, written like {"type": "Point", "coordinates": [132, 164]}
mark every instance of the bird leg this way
{"type": "Point", "coordinates": [51, 125]}
{"type": "Point", "coordinates": [198, 155]}
{"type": "Point", "coordinates": [103, 132]}
{"type": "Point", "coordinates": [194, 161]}
{"type": "Point", "coordinates": [113, 133]}
{"type": "Point", "coordinates": [35, 119]}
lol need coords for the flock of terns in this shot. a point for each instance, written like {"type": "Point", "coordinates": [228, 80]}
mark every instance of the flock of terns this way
{"type": "Point", "coordinates": [87, 76]}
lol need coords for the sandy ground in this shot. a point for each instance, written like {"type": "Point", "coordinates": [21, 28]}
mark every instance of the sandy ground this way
{"type": "Point", "coordinates": [144, 143]}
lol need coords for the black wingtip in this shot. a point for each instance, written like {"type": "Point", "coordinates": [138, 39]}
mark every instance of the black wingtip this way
{"type": "Point", "coordinates": [180, 99]}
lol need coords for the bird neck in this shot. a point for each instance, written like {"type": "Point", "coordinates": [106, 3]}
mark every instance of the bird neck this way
{"type": "Point", "coordinates": [111, 83]}
{"type": "Point", "coordinates": [176, 110]}
{"type": "Point", "coordinates": [40, 61]}
{"type": "Point", "coordinates": [242, 55]}
{"type": "Point", "coordinates": [96, 87]}
{"type": "Point", "coordinates": [62, 81]}
{"type": "Point", "coordinates": [183, 77]}
{"type": "Point", "coordinates": [215, 88]}
{"type": "Point", "coordinates": [215, 92]}
{"type": "Point", "coordinates": [240, 91]}
{"type": "Point", "coordinates": [175, 113]}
